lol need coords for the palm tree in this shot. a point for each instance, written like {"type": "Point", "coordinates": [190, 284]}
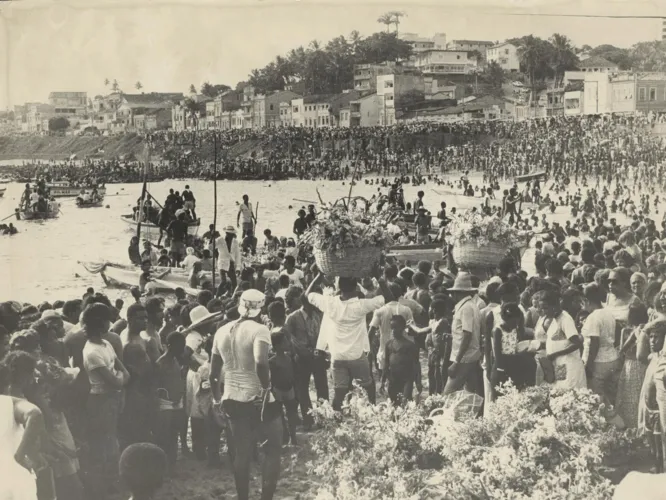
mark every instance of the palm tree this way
{"type": "Point", "coordinates": [531, 56]}
{"type": "Point", "coordinates": [397, 14]}
{"type": "Point", "coordinates": [386, 19]}
{"type": "Point", "coordinates": [192, 109]}
{"type": "Point", "coordinates": [563, 57]}
{"type": "Point", "coordinates": [193, 89]}
{"type": "Point", "coordinates": [138, 85]}
{"type": "Point", "coordinates": [106, 82]}
{"type": "Point", "coordinates": [115, 86]}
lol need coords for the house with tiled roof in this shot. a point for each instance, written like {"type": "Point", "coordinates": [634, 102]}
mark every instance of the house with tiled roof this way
{"type": "Point", "coordinates": [596, 64]}
{"type": "Point", "coordinates": [132, 104]}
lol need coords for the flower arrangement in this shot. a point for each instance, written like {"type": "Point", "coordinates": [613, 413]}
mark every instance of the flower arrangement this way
{"type": "Point", "coordinates": [537, 443]}
{"type": "Point", "coordinates": [473, 227]}
{"type": "Point", "coordinates": [338, 228]}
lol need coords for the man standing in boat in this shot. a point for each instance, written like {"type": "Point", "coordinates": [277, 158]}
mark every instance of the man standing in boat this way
{"type": "Point", "coordinates": [177, 231]}
{"type": "Point", "coordinates": [249, 219]}
{"type": "Point", "coordinates": [189, 202]}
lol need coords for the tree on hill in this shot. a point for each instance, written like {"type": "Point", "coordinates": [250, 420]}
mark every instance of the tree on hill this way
{"type": "Point", "coordinates": [138, 86]}
{"type": "Point", "coordinates": [193, 89]}
{"type": "Point", "coordinates": [495, 77]}
{"type": "Point", "coordinates": [213, 91]}
{"type": "Point", "coordinates": [649, 56]}
{"type": "Point", "coordinates": [409, 99]}
{"type": "Point", "coordinates": [563, 56]}
{"type": "Point", "coordinates": [396, 15]}
{"type": "Point", "coordinates": [617, 55]}
{"type": "Point", "coordinates": [330, 68]}
{"type": "Point", "coordinates": [58, 124]}
{"type": "Point", "coordinates": [387, 20]}
{"type": "Point", "coordinates": [115, 86]}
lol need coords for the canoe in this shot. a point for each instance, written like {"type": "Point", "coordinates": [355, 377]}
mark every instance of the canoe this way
{"type": "Point", "coordinates": [89, 204]}
{"type": "Point", "coordinates": [431, 252]}
{"type": "Point", "coordinates": [540, 175]}
{"type": "Point", "coordinates": [152, 230]}
{"type": "Point", "coordinates": [127, 276]}
{"type": "Point", "coordinates": [462, 202]}
{"type": "Point", "coordinates": [32, 215]}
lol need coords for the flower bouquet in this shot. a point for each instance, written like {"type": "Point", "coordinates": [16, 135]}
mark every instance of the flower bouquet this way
{"type": "Point", "coordinates": [481, 241]}
{"type": "Point", "coordinates": [347, 241]}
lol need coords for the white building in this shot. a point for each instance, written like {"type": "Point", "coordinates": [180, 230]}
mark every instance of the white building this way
{"type": "Point", "coordinates": [419, 43]}
{"type": "Point", "coordinates": [506, 55]}
{"type": "Point", "coordinates": [444, 62]}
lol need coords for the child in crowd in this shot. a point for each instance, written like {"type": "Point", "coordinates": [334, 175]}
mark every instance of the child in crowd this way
{"type": "Point", "coordinates": [282, 380]}
{"type": "Point", "coordinates": [170, 393]}
{"type": "Point", "coordinates": [164, 260]}
{"type": "Point", "coordinates": [401, 362]}
{"type": "Point", "coordinates": [649, 424]}
{"type": "Point", "coordinates": [438, 343]}
{"type": "Point", "coordinates": [142, 469]}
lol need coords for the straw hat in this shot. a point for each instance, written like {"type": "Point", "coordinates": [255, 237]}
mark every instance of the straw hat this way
{"type": "Point", "coordinates": [251, 302]}
{"type": "Point", "coordinates": [463, 283]}
{"type": "Point", "coordinates": [230, 230]}
{"type": "Point", "coordinates": [199, 315]}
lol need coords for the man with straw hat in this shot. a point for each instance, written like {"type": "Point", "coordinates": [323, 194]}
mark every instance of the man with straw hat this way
{"type": "Point", "coordinates": [229, 256]}
{"type": "Point", "coordinates": [241, 349]}
{"type": "Point", "coordinates": [465, 370]}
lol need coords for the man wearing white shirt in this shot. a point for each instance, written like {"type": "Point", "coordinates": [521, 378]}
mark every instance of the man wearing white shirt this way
{"type": "Point", "coordinates": [344, 331]}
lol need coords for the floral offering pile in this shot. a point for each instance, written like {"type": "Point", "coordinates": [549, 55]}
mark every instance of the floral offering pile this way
{"type": "Point", "coordinates": [538, 443]}
{"type": "Point", "coordinates": [338, 228]}
{"type": "Point", "coordinates": [474, 227]}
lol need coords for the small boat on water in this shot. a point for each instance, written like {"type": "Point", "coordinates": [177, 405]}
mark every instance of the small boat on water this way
{"type": "Point", "coordinates": [64, 189]}
{"type": "Point", "coordinates": [2, 191]}
{"type": "Point", "coordinates": [81, 203]}
{"type": "Point", "coordinates": [539, 175]}
{"type": "Point", "coordinates": [22, 214]}
{"type": "Point", "coordinates": [153, 230]}
{"type": "Point", "coordinates": [127, 276]}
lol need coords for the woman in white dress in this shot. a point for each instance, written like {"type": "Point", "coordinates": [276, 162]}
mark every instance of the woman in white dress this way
{"type": "Point", "coordinates": [563, 343]}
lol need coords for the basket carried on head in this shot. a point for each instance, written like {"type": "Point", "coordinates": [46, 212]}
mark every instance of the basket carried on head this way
{"type": "Point", "coordinates": [356, 262]}
{"type": "Point", "coordinates": [483, 261]}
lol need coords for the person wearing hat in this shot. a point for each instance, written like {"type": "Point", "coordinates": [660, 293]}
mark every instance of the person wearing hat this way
{"type": "Point", "coordinates": [229, 256]}
{"type": "Point", "coordinates": [177, 231]}
{"type": "Point", "coordinates": [464, 370]}
{"type": "Point", "coordinates": [240, 348]}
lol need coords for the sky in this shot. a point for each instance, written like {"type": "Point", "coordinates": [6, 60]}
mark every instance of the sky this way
{"type": "Point", "coordinates": [74, 45]}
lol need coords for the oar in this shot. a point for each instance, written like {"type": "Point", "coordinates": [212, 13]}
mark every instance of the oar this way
{"type": "Point", "coordinates": [306, 201]}
{"type": "Point", "coordinates": [13, 214]}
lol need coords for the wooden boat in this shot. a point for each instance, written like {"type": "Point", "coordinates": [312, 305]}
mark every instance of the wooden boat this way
{"type": "Point", "coordinates": [152, 230]}
{"type": "Point", "coordinates": [430, 251]}
{"type": "Point", "coordinates": [127, 276]}
{"type": "Point", "coordinates": [90, 203]}
{"type": "Point", "coordinates": [540, 175]}
{"type": "Point", "coordinates": [36, 215]}
{"type": "Point", "coordinates": [64, 189]}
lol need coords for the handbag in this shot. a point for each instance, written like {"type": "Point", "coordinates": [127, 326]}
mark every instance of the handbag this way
{"type": "Point", "coordinates": [548, 368]}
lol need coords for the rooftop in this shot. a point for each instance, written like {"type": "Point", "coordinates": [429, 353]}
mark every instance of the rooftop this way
{"type": "Point", "coordinates": [318, 98]}
{"type": "Point", "coordinates": [152, 99]}
{"type": "Point", "coordinates": [474, 42]}
{"type": "Point", "coordinates": [597, 62]}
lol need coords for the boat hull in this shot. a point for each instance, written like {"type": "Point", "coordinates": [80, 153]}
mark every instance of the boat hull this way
{"type": "Point", "coordinates": [30, 215]}
{"type": "Point", "coordinates": [67, 191]}
{"type": "Point", "coordinates": [152, 230]}
{"type": "Point", "coordinates": [81, 204]}
{"type": "Point", "coordinates": [127, 276]}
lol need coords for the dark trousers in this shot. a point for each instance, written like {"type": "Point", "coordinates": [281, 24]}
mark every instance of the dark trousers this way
{"type": "Point", "coordinates": [401, 386]}
{"type": "Point", "coordinates": [305, 368]}
{"type": "Point", "coordinates": [168, 424]}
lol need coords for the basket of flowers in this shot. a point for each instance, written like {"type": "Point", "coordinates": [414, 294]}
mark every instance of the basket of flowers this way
{"type": "Point", "coordinates": [480, 241]}
{"type": "Point", "coordinates": [347, 241]}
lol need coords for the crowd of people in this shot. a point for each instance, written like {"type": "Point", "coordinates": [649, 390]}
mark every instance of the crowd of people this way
{"type": "Point", "coordinates": [565, 146]}
{"type": "Point", "coordinates": [86, 380]}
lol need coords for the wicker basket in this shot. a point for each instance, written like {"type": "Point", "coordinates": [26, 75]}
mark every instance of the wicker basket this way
{"type": "Point", "coordinates": [469, 255]}
{"type": "Point", "coordinates": [356, 263]}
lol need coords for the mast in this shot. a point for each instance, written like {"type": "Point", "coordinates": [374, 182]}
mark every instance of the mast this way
{"type": "Point", "coordinates": [213, 238]}
{"type": "Point", "coordinates": [143, 191]}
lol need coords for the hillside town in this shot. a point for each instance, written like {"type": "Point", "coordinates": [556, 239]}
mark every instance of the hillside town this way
{"type": "Point", "coordinates": [430, 79]}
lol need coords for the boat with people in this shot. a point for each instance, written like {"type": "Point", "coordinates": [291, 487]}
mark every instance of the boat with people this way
{"type": "Point", "coordinates": [52, 212]}
{"type": "Point", "coordinates": [90, 203]}
{"type": "Point", "coordinates": [153, 230]}
{"type": "Point", "coordinates": [65, 189]}
{"type": "Point", "coordinates": [127, 276]}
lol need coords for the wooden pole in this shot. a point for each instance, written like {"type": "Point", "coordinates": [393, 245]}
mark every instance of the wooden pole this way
{"type": "Point", "coordinates": [213, 238]}
{"type": "Point", "coordinates": [143, 194]}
